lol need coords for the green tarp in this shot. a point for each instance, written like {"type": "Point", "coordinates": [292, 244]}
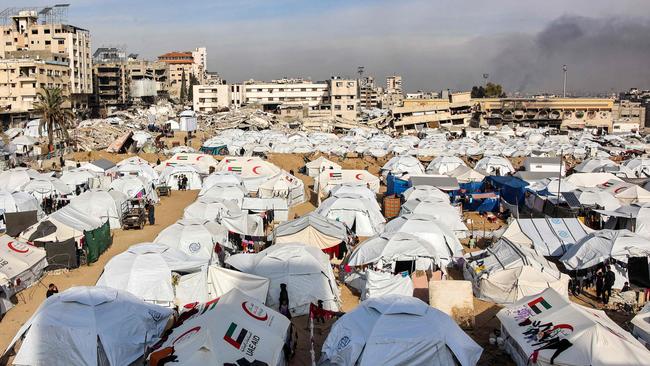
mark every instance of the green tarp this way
{"type": "Point", "coordinates": [97, 241]}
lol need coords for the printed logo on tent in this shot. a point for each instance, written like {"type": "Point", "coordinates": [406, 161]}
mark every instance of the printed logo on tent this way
{"type": "Point", "coordinates": [244, 362]}
{"type": "Point", "coordinates": [255, 311]}
{"type": "Point", "coordinates": [343, 343]}
{"type": "Point", "coordinates": [183, 157]}
{"type": "Point", "coordinates": [155, 315]}
{"type": "Point", "coordinates": [242, 339]}
{"type": "Point", "coordinates": [556, 221]}
{"type": "Point", "coordinates": [236, 169]}
{"type": "Point", "coordinates": [563, 233]}
{"type": "Point", "coordinates": [255, 169]}
{"type": "Point", "coordinates": [359, 176]}
{"type": "Point", "coordinates": [186, 335]}
{"type": "Point", "coordinates": [18, 247]}
{"type": "Point", "coordinates": [336, 175]}
{"type": "Point", "coordinates": [194, 247]}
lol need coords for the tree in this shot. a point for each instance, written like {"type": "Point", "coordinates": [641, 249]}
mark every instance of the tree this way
{"type": "Point", "coordinates": [478, 92]}
{"type": "Point", "coordinates": [55, 117]}
{"type": "Point", "coordinates": [491, 90]}
{"type": "Point", "coordinates": [190, 90]}
{"type": "Point", "coordinates": [183, 87]}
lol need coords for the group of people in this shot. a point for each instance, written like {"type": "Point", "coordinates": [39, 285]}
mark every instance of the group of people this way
{"type": "Point", "coordinates": [181, 180]}
{"type": "Point", "coordinates": [603, 278]}
{"type": "Point", "coordinates": [54, 203]}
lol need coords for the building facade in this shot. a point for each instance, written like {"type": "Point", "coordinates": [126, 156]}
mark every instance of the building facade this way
{"type": "Point", "coordinates": [452, 109]}
{"type": "Point", "coordinates": [29, 30]}
{"type": "Point", "coordinates": [343, 98]}
{"type": "Point", "coordinates": [369, 94]}
{"type": "Point", "coordinates": [185, 65]}
{"type": "Point", "coordinates": [211, 98]}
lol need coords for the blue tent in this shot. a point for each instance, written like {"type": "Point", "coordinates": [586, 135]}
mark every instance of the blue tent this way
{"type": "Point", "coordinates": [512, 189]}
{"type": "Point", "coordinates": [395, 185]}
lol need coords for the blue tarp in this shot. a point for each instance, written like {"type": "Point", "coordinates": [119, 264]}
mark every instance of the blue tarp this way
{"type": "Point", "coordinates": [472, 187]}
{"type": "Point", "coordinates": [512, 189]}
{"type": "Point", "coordinates": [482, 205]}
{"type": "Point", "coordinates": [395, 185]}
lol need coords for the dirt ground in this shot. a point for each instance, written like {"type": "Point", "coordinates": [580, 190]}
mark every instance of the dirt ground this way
{"type": "Point", "coordinates": [168, 211]}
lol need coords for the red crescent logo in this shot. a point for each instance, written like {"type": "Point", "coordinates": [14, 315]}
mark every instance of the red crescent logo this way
{"type": "Point", "coordinates": [617, 190]}
{"type": "Point", "coordinates": [260, 318]}
{"type": "Point", "coordinates": [11, 246]}
{"type": "Point", "coordinates": [357, 176]}
{"type": "Point", "coordinates": [255, 169]}
{"type": "Point", "coordinates": [199, 157]}
{"type": "Point", "coordinates": [186, 335]}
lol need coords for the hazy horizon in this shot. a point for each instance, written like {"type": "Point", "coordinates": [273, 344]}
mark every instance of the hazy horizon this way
{"type": "Point", "coordinates": [434, 45]}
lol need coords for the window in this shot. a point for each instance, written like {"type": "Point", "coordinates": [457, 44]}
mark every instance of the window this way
{"type": "Point", "coordinates": [350, 108]}
{"type": "Point", "coordinates": [61, 41]}
{"type": "Point", "coordinates": [339, 83]}
{"type": "Point", "coordinates": [337, 97]}
{"type": "Point", "coordinates": [337, 107]}
{"type": "Point", "coordinates": [34, 31]}
{"type": "Point", "coordinates": [48, 42]}
{"type": "Point", "coordinates": [46, 31]}
{"type": "Point", "coordinates": [8, 43]}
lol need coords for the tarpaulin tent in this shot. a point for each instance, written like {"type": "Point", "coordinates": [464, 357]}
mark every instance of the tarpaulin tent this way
{"type": "Point", "coordinates": [305, 270]}
{"type": "Point", "coordinates": [208, 208]}
{"type": "Point", "coordinates": [66, 223]}
{"type": "Point", "coordinates": [101, 205]}
{"type": "Point", "coordinates": [134, 187]}
{"type": "Point", "coordinates": [234, 329]}
{"type": "Point", "coordinates": [194, 237]}
{"type": "Point", "coordinates": [512, 189]}
{"type": "Point", "coordinates": [14, 180]}
{"type": "Point", "coordinates": [402, 166]}
{"type": "Point", "coordinates": [494, 166]}
{"type": "Point", "coordinates": [641, 325]}
{"type": "Point", "coordinates": [213, 282]}
{"type": "Point", "coordinates": [76, 178]}
{"type": "Point", "coordinates": [591, 180]}
{"type": "Point", "coordinates": [441, 210]}
{"type": "Point", "coordinates": [506, 272]}
{"type": "Point", "coordinates": [361, 215]}
{"type": "Point", "coordinates": [21, 265]}
{"type": "Point", "coordinates": [145, 270]}
{"type": "Point", "coordinates": [424, 192]}
{"type": "Point", "coordinates": [385, 250]}
{"type": "Point", "coordinates": [315, 167]}
{"type": "Point", "coordinates": [548, 329]}
{"type": "Point", "coordinates": [398, 330]}
{"type": "Point", "coordinates": [226, 191]}
{"type": "Point", "coordinates": [378, 283]}
{"type": "Point", "coordinates": [220, 178]}
{"type": "Point", "coordinates": [285, 186]}
{"type": "Point", "coordinates": [548, 237]}
{"type": "Point", "coordinates": [355, 189]}
{"type": "Point", "coordinates": [395, 185]}
{"type": "Point", "coordinates": [444, 164]}
{"type": "Point", "coordinates": [171, 175]}
{"type": "Point", "coordinates": [466, 175]}
{"type": "Point", "coordinates": [314, 230]}
{"type": "Point", "coordinates": [253, 170]}
{"type": "Point", "coordinates": [44, 187]}
{"type": "Point", "coordinates": [90, 326]}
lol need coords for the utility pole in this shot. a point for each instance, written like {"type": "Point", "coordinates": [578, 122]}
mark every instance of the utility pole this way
{"type": "Point", "coordinates": [559, 183]}
{"type": "Point", "coordinates": [485, 79]}
{"type": "Point", "coordinates": [564, 68]}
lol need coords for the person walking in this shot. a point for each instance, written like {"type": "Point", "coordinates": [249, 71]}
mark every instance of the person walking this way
{"type": "Point", "coordinates": [600, 282]}
{"type": "Point", "coordinates": [152, 214]}
{"type": "Point", "coordinates": [610, 279]}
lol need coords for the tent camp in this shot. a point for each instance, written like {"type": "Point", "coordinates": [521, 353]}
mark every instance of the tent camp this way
{"type": "Point", "coordinates": [226, 191]}
{"type": "Point", "coordinates": [90, 326]}
{"type": "Point", "coordinates": [441, 211]}
{"type": "Point", "coordinates": [425, 192]}
{"type": "Point", "coordinates": [548, 237]}
{"type": "Point", "coordinates": [235, 329]}
{"type": "Point", "coordinates": [44, 187]}
{"type": "Point", "coordinates": [285, 186]}
{"type": "Point", "coordinates": [444, 164]}
{"type": "Point", "coordinates": [102, 205]}
{"type": "Point", "coordinates": [494, 165]}
{"type": "Point", "coordinates": [21, 266]}
{"type": "Point", "coordinates": [208, 208]}
{"type": "Point", "coordinates": [548, 329]}
{"type": "Point", "coordinates": [466, 174]}
{"type": "Point", "coordinates": [434, 232]}
{"type": "Point", "coordinates": [196, 238]}
{"type": "Point", "coordinates": [14, 179]}
{"type": "Point", "coordinates": [506, 272]}
{"type": "Point", "coordinates": [201, 162]}
{"type": "Point", "coordinates": [171, 175]}
{"type": "Point", "coordinates": [213, 282]}
{"type": "Point", "coordinates": [145, 270]}
{"type": "Point", "coordinates": [134, 187]}
{"type": "Point", "coordinates": [328, 179]}
{"type": "Point", "coordinates": [367, 336]}
{"type": "Point", "coordinates": [305, 270]}
{"type": "Point", "coordinates": [76, 178]}
{"type": "Point", "coordinates": [315, 167]}
{"type": "Point", "coordinates": [313, 230]}
{"type": "Point", "coordinates": [361, 215]}
{"type": "Point", "coordinates": [220, 178]}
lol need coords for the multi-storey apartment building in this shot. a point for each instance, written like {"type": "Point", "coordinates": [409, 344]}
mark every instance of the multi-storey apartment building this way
{"type": "Point", "coordinates": [39, 30]}
{"type": "Point", "coordinates": [184, 65]}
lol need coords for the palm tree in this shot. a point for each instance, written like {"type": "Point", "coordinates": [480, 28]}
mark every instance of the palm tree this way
{"type": "Point", "coordinates": [55, 117]}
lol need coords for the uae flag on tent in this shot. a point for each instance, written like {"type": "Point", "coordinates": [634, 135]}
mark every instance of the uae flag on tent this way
{"type": "Point", "coordinates": [336, 175]}
{"type": "Point", "coordinates": [236, 169]}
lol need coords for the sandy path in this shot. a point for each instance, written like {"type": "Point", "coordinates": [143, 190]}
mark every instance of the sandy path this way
{"type": "Point", "coordinates": [168, 211]}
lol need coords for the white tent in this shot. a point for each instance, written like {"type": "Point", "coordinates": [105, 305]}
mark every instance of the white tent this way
{"type": "Point", "coordinates": [285, 186]}
{"type": "Point", "coordinates": [226, 192]}
{"type": "Point", "coordinates": [548, 329]}
{"type": "Point", "coordinates": [591, 180]}
{"type": "Point", "coordinates": [134, 187]}
{"type": "Point", "coordinates": [90, 326]}
{"type": "Point", "coordinates": [102, 205]}
{"type": "Point", "coordinates": [46, 187]}
{"type": "Point", "coordinates": [639, 166]}
{"type": "Point", "coordinates": [386, 249]}
{"type": "Point", "coordinates": [466, 174]}
{"type": "Point", "coordinates": [494, 165]}
{"type": "Point", "coordinates": [402, 166]}
{"type": "Point", "coordinates": [76, 178]}
{"type": "Point", "coordinates": [18, 202]}
{"type": "Point", "coordinates": [601, 245]}
{"type": "Point", "coordinates": [213, 282]}
{"type": "Point", "coordinates": [359, 214]}
{"type": "Point", "coordinates": [444, 164]}
{"type": "Point", "coordinates": [134, 167]}
{"type": "Point", "coordinates": [305, 270]}
{"type": "Point", "coordinates": [220, 178]}
{"type": "Point", "coordinates": [441, 211]}
{"type": "Point", "coordinates": [641, 325]}
{"type": "Point", "coordinates": [597, 165]}
{"type": "Point", "coordinates": [548, 237]}
{"type": "Point", "coordinates": [432, 231]}
{"type": "Point", "coordinates": [315, 167]}
{"type": "Point", "coordinates": [201, 162]}
{"type": "Point", "coordinates": [506, 272]}
{"type": "Point", "coordinates": [328, 179]}
{"type": "Point", "coordinates": [398, 330]}
{"type": "Point", "coordinates": [14, 180]}
{"type": "Point", "coordinates": [253, 170]}
{"type": "Point", "coordinates": [235, 330]}
{"type": "Point", "coordinates": [187, 120]}
{"type": "Point", "coordinates": [196, 238]}
{"type": "Point", "coordinates": [595, 196]}
{"type": "Point", "coordinates": [354, 189]}
{"type": "Point", "coordinates": [145, 270]}
{"type": "Point", "coordinates": [31, 129]}
{"type": "Point", "coordinates": [425, 192]}
{"type": "Point", "coordinates": [66, 223]}
{"type": "Point", "coordinates": [173, 125]}
{"type": "Point", "coordinates": [311, 229]}
{"type": "Point", "coordinates": [21, 266]}
{"type": "Point", "coordinates": [24, 143]}
{"type": "Point", "coordinates": [171, 175]}
{"type": "Point", "coordinates": [208, 208]}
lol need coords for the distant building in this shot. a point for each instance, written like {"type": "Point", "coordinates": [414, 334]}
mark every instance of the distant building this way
{"type": "Point", "coordinates": [112, 83]}
{"type": "Point", "coordinates": [43, 30]}
{"type": "Point", "coordinates": [628, 116]}
{"type": "Point", "coordinates": [211, 98]}
{"type": "Point", "coordinates": [394, 93]}
{"type": "Point", "coordinates": [156, 71]}
{"type": "Point", "coordinates": [455, 109]}
{"type": "Point", "coordinates": [369, 94]}
{"type": "Point", "coordinates": [343, 98]}
{"type": "Point", "coordinates": [189, 63]}
{"type": "Point", "coordinates": [642, 97]}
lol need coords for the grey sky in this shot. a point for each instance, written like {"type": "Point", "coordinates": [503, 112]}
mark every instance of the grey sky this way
{"type": "Point", "coordinates": [433, 44]}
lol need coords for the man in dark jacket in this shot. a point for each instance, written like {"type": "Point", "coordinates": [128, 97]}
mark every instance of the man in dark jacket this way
{"type": "Point", "coordinates": [610, 278]}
